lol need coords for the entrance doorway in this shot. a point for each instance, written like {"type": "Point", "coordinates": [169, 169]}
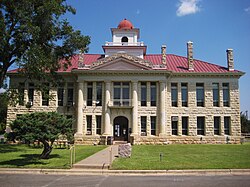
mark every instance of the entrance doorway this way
{"type": "Point", "coordinates": [120, 128]}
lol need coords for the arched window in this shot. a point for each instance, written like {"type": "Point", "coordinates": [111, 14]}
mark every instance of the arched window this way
{"type": "Point", "coordinates": [124, 39]}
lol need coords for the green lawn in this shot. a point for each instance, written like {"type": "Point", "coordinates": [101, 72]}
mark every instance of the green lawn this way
{"type": "Point", "coordinates": [147, 157]}
{"type": "Point", "coordinates": [22, 156]}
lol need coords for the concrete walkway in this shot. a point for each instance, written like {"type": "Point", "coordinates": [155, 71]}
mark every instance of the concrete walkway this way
{"type": "Point", "coordinates": [100, 160]}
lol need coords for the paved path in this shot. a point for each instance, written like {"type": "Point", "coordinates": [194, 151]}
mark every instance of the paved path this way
{"type": "Point", "coordinates": [99, 160]}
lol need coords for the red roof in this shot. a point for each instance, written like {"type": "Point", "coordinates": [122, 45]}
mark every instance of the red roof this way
{"type": "Point", "coordinates": [125, 24]}
{"type": "Point", "coordinates": [174, 63]}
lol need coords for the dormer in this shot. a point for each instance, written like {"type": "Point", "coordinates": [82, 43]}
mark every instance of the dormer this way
{"type": "Point", "coordinates": [125, 40]}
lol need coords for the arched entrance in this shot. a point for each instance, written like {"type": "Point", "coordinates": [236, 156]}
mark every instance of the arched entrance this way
{"type": "Point", "coordinates": [120, 128]}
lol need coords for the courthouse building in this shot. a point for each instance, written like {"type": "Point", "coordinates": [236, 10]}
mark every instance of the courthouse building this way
{"type": "Point", "coordinates": [128, 95]}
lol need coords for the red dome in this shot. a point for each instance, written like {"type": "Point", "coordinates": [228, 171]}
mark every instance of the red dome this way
{"type": "Point", "coordinates": [125, 24]}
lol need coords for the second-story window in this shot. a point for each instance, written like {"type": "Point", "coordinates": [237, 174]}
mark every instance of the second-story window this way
{"type": "Point", "coordinates": [200, 94]}
{"type": "Point", "coordinates": [121, 93]}
{"type": "Point", "coordinates": [225, 94]}
{"type": "Point", "coordinates": [21, 94]}
{"type": "Point", "coordinates": [70, 97]}
{"type": "Point", "coordinates": [31, 93]}
{"type": "Point", "coordinates": [174, 94]}
{"type": "Point", "coordinates": [60, 93]}
{"type": "Point", "coordinates": [89, 93]}
{"type": "Point", "coordinates": [99, 94]}
{"type": "Point", "coordinates": [184, 94]}
{"type": "Point", "coordinates": [215, 94]}
{"type": "Point", "coordinates": [153, 93]}
{"type": "Point", "coordinates": [143, 94]}
{"type": "Point", "coordinates": [45, 95]}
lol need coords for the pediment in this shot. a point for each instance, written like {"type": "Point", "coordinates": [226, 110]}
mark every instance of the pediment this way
{"type": "Point", "coordinates": [121, 62]}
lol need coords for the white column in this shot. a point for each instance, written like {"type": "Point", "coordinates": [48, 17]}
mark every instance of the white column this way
{"type": "Point", "coordinates": [135, 108]}
{"type": "Point", "coordinates": [79, 109]}
{"type": "Point", "coordinates": [162, 121]}
{"type": "Point", "coordinates": [107, 125]}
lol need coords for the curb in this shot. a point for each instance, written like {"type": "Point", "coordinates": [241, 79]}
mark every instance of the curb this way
{"type": "Point", "coordinates": [201, 172]}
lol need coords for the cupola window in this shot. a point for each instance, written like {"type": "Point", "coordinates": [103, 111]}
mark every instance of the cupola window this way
{"type": "Point", "coordinates": [124, 39]}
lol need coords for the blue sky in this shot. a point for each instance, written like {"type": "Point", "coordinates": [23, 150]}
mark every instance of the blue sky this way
{"type": "Point", "coordinates": [212, 25]}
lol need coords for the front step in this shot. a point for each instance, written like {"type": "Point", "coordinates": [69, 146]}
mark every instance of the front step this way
{"type": "Point", "coordinates": [119, 142]}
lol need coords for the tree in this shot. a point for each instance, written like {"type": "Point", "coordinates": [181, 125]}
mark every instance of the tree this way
{"type": "Point", "coordinates": [245, 123]}
{"type": "Point", "coordinates": [35, 37]}
{"type": "Point", "coordinates": [3, 111]}
{"type": "Point", "coordinates": [42, 126]}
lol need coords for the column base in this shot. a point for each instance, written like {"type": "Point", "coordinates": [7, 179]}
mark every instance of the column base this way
{"type": "Point", "coordinates": [162, 135]}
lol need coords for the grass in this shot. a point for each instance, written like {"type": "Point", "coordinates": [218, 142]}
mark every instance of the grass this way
{"type": "Point", "coordinates": [22, 156]}
{"type": "Point", "coordinates": [147, 157]}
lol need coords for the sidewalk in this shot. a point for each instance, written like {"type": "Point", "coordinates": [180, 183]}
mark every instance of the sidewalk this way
{"type": "Point", "coordinates": [100, 160]}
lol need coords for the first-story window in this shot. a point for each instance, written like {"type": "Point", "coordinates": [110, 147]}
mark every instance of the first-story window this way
{"type": "Point", "coordinates": [143, 125]}
{"type": "Point", "coordinates": [174, 125]}
{"type": "Point", "coordinates": [216, 125]}
{"type": "Point", "coordinates": [227, 125]}
{"type": "Point", "coordinates": [89, 125]}
{"type": "Point", "coordinates": [184, 125]}
{"type": "Point", "coordinates": [153, 125]}
{"type": "Point", "coordinates": [200, 125]}
{"type": "Point", "coordinates": [98, 124]}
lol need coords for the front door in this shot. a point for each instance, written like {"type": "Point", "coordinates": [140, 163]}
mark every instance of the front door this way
{"type": "Point", "coordinates": [121, 128]}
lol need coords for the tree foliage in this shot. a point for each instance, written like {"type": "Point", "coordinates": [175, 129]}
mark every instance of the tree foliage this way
{"type": "Point", "coordinates": [245, 123]}
{"type": "Point", "coordinates": [35, 36]}
{"type": "Point", "coordinates": [42, 126]}
{"type": "Point", "coordinates": [3, 111]}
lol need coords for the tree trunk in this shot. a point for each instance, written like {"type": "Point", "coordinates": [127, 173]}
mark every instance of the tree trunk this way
{"type": "Point", "coordinates": [46, 150]}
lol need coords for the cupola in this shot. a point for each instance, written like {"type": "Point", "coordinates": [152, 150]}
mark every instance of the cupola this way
{"type": "Point", "coordinates": [125, 24]}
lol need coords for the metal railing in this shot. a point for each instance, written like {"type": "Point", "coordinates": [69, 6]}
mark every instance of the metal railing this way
{"type": "Point", "coordinates": [124, 44]}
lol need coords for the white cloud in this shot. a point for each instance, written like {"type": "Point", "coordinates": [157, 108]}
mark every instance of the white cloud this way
{"type": "Point", "coordinates": [186, 7]}
{"type": "Point", "coordinates": [247, 10]}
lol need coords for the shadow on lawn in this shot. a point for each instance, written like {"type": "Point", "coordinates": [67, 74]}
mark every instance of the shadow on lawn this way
{"type": "Point", "coordinates": [5, 148]}
{"type": "Point", "coordinates": [27, 159]}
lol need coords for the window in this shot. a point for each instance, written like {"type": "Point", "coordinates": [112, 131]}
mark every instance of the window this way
{"type": "Point", "coordinates": [153, 125]}
{"type": "Point", "coordinates": [153, 93]}
{"type": "Point", "coordinates": [45, 95]}
{"type": "Point", "coordinates": [215, 94]}
{"type": "Point", "coordinates": [216, 125]}
{"type": "Point", "coordinates": [227, 125]}
{"type": "Point", "coordinates": [89, 125]}
{"type": "Point", "coordinates": [21, 94]}
{"type": "Point", "coordinates": [200, 94]}
{"type": "Point", "coordinates": [89, 93]}
{"type": "Point", "coordinates": [143, 94]}
{"type": "Point", "coordinates": [121, 93]}
{"type": "Point", "coordinates": [70, 97]}
{"type": "Point", "coordinates": [124, 39]}
{"type": "Point", "coordinates": [184, 125]}
{"type": "Point", "coordinates": [200, 125]}
{"type": "Point", "coordinates": [174, 94]}
{"type": "Point", "coordinates": [143, 125]}
{"type": "Point", "coordinates": [99, 94]}
{"type": "Point", "coordinates": [98, 124]}
{"type": "Point", "coordinates": [184, 94]}
{"type": "Point", "coordinates": [225, 94]}
{"type": "Point", "coordinates": [174, 125]}
{"type": "Point", "coordinates": [31, 93]}
{"type": "Point", "coordinates": [60, 93]}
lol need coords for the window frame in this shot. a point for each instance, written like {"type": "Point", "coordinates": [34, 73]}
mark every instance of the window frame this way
{"type": "Point", "coordinates": [143, 93]}
{"type": "Point", "coordinates": [201, 122]}
{"type": "Point", "coordinates": [89, 124]}
{"type": "Point", "coordinates": [184, 130]}
{"type": "Point", "coordinates": [226, 94]}
{"type": "Point", "coordinates": [98, 124]}
{"type": "Point", "coordinates": [153, 125]}
{"type": "Point", "coordinates": [217, 125]}
{"type": "Point", "coordinates": [153, 94]}
{"type": "Point", "coordinates": [143, 125]}
{"type": "Point", "coordinates": [216, 94]}
{"type": "Point", "coordinates": [200, 91]}
{"type": "Point", "coordinates": [184, 97]}
{"type": "Point", "coordinates": [174, 93]}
